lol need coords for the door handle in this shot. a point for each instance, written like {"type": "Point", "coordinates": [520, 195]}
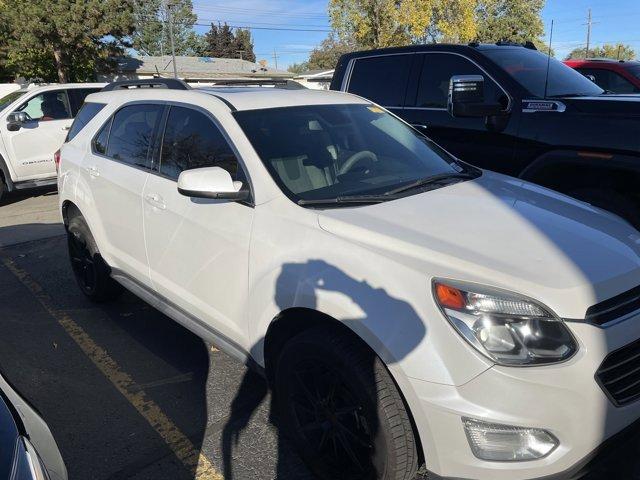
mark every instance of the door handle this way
{"type": "Point", "coordinates": [420, 126]}
{"type": "Point", "coordinates": [68, 127]}
{"type": "Point", "coordinates": [93, 171]}
{"type": "Point", "coordinates": [155, 201]}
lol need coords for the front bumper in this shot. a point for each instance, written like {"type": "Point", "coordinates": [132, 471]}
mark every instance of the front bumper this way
{"type": "Point", "coordinates": [564, 399]}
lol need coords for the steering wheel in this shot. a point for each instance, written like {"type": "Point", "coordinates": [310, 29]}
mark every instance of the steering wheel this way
{"type": "Point", "coordinates": [355, 158]}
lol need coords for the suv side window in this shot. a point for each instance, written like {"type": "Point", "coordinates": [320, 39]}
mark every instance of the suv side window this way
{"type": "Point", "coordinates": [437, 70]}
{"type": "Point", "coordinates": [381, 79]}
{"type": "Point", "coordinates": [51, 105]}
{"type": "Point", "coordinates": [131, 136]}
{"type": "Point", "coordinates": [85, 115]}
{"type": "Point", "coordinates": [77, 96]}
{"type": "Point", "coordinates": [191, 140]}
{"type": "Point", "coordinates": [610, 80]}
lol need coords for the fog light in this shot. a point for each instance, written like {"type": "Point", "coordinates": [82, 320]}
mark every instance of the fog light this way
{"type": "Point", "coordinates": [506, 443]}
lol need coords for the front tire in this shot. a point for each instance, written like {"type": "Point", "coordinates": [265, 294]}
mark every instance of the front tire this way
{"type": "Point", "coordinates": [342, 409]}
{"type": "Point", "coordinates": [91, 272]}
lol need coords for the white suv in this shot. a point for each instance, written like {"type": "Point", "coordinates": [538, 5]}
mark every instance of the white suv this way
{"type": "Point", "coordinates": [405, 306]}
{"type": "Point", "coordinates": [33, 124]}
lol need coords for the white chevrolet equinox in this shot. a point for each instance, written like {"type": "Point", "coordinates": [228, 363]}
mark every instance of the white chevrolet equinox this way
{"type": "Point", "coordinates": [406, 307]}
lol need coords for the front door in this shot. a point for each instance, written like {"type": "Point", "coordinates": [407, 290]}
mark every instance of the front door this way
{"type": "Point", "coordinates": [198, 248]}
{"type": "Point", "coordinates": [486, 143]}
{"type": "Point", "coordinates": [31, 148]}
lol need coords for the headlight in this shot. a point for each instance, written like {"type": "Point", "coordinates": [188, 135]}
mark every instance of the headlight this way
{"type": "Point", "coordinates": [506, 327]}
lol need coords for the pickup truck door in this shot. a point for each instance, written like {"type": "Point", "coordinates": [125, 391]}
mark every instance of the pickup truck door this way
{"type": "Point", "coordinates": [198, 248]}
{"type": "Point", "coordinates": [30, 148]}
{"type": "Point", "coordinates": [487, 143]}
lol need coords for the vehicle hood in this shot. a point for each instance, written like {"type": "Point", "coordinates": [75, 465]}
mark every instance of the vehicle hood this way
{"type": "Point", "coordinates": [616, 105]}
{"type": "Point", "coordinates": [506, 233]}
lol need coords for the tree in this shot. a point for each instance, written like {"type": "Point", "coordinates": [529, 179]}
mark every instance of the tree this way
{"type": "Point", "coordinates": [222, 42]}
{"type": "Point", "coordinates": [385, 23]}
{"type": "Point", "coordinates": [69, 34]}
{"type": "Point", "coordinates": [510, 20]}
{"type": "Point", "coordinates": [368, 23]}
{"type": "Point", "coordinates": [298, 68]}
{"type": "Point", "coordinates": [439, 20]}
{"type": "Point", "coordinates": [244, 44]}
{"type": "Point", "coordinates": [326, 55]}
{"type": "Point", "coordinates": [608, 50]}
{"type": "Point", "coordinates": [151, 35]}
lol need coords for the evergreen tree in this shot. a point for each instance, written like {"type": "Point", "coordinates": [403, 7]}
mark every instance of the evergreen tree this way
{"type": "Point", "coordinates": [221, 42]}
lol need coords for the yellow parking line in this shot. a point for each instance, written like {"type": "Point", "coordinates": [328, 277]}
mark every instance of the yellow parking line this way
{"type": "Point", "coordinates": [178, 442]}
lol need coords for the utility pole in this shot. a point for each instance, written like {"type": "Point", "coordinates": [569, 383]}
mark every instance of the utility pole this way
{"type": "Point", "coordinates": [275, 58]}
{"type": "Point", "coordinates": [173, 48]}
{"type": "Point", "coordinates": [589, 24]}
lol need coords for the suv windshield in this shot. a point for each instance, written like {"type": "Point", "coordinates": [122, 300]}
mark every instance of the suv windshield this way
{"type": "Point", "coordinates": [9, 98]}
{"type": "Point", "coordinates": [325, 152]}
{"type": "Point", "coordinates": [529, 69]}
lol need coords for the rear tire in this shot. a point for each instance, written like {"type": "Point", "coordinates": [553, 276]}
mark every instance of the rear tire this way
{"type": "Point", "coordinates": [92, 274]}
{"type": "Point", "coordinates": [3, 188]}
{"type": "Point", "coordinates": [612, 201]}
{"type": "Point", "coordinates": [342, 409]}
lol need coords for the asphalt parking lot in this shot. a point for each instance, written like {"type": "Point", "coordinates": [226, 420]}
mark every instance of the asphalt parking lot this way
{"type": "Point", "coordinates": [127, 392]}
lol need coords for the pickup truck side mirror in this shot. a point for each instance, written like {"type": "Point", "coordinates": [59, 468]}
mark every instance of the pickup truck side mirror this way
{"type": "Point", "coordinates": [210, 182]}
{"type": "Point", "coordinates": [15, 120]}
{"type": "Point", "coordinates": [466, 98]}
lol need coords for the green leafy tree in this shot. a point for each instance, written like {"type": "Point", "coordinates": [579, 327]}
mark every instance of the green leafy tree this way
{"type": "Point", "coordinates": [298, 68]}
{"type": "Point", "coordinates": [617, 51]}
{"type": "Point", "coordinates": [510, 20]}
{"type": "Point", "coordinates": [326, 55]}
{"type": "Point", "coordinates": [151, 34]}
{"type": "Point", "coordinates": [71, 35]}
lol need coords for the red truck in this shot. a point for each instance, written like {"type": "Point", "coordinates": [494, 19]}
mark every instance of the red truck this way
{"type": "Point", "coordinates": [616, 76]}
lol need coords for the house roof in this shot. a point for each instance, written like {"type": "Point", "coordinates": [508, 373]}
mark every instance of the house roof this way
{"type": "Point", "coordinates": [196, 67]}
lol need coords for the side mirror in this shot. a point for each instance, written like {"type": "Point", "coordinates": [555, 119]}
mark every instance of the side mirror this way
{"type": "Point", "coordinates": [466, 98]}
{"type": "Point", "coordinates": [210, 182]}
{"type": "Point", "coordinates": [15, 120]}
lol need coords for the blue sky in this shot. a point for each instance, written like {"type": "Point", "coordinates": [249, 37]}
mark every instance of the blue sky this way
{"type": "Point", "coordinates": [614, 21]}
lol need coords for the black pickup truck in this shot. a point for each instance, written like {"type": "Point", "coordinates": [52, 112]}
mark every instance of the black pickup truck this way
{"type": "Point", "coordinates": [512, 109]}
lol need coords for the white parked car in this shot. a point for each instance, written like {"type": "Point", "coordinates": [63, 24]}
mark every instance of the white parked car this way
{"type": "Point", "coordinates": [34, 122]}
{"type": "Point", "coordinates": [405, 306]}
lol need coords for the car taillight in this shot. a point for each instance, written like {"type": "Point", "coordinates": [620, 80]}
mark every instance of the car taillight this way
{"type": "Point", "coordinates": [56, 159]}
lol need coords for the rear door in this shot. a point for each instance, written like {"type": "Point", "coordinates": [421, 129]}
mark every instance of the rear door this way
{"type": "Point", "coordinates": [382, 79]}
{"type": "Point", "coordinates": [116, 171]}
{"type": "Point", "coordinates": [479, 141]}
{"type": "Point", "coordinates": [198, 248]}
{"type": "Point", "coordinates": [31, 148]}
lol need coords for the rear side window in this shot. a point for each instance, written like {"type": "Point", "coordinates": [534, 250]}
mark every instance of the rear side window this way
{"type": "Point", "coordinates": [191, 140]}
{"type": "Point", "coordinates": [131, 134]}
{"type": "Point", "coordinates": [610, 80]}
{"type": "Point", "coordinates": [85, 115]}
{"type": "Point", "coordinates": [437, 70]}
{"type": "Point", "coordinates": [381, 79]}
{"type": "Point", "coordinates": [77, 96]}
{"type": "Point", "coordinates": [101, 139]}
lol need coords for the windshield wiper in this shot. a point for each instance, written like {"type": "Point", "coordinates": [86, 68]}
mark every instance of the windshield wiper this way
{"type": "Point", "coordinates": [341, 199]}
{"type": "Point", "coordinates": [433, 180]}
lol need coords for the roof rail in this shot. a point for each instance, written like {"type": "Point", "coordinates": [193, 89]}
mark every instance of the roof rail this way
{"type": "Point", "coordinates": [276, 82]}
{"type": "Point", "coordinates": [168, 83]}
